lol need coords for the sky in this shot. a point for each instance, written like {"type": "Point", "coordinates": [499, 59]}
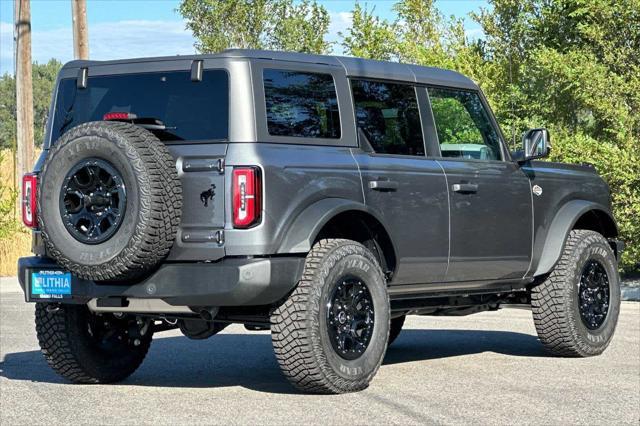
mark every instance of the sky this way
{"type": "Point", "coordinates": [135, 28]}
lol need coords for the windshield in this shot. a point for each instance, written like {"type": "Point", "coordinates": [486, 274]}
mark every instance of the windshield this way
{"type": "Point", "coordinates": [189, 110]}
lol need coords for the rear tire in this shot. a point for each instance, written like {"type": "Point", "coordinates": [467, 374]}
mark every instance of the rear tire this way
{"type": "Point", "coordinates": [79, 347]}
{"type": "Point", "coordinates": [323, 341]}
{"type": "Point", "coordinates": [569, 305]}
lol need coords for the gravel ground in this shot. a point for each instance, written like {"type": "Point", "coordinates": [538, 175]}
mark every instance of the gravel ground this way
{"type": "Point", "coordinates": [487, 368]}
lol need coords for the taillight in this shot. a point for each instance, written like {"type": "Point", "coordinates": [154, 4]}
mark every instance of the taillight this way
{"type": "Point", "coordinates": [115, 116]}
{"type": "Point", "coordinates": [247, 192]}
{"type": "Point", "coordinates": [29, 191]}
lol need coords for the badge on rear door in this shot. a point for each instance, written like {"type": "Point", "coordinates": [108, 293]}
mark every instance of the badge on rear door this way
{"type": "Point", "coordinates": [206, 196]}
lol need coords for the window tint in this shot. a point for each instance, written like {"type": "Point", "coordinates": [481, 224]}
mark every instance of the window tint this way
{"type": "Point", "coordinates": [388, 115]}
{"type": "Point", "coordinates": [301, 104]}
{"type": "Point", "coordinates": [463, 125]}
{"type": "Point", "coordinates": [189, 110]}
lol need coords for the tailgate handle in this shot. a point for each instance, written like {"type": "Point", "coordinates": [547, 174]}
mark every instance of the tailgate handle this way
{"type": "Point", "coordinates": [383, 185]}
{"type": "Point", "coordinates": [203, 165]}
{"type": "Point", "coordinates": [465, 188]}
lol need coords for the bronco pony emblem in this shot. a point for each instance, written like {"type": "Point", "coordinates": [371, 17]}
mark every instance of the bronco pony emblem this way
{"type": "Point", "coordinates": [207, 195]}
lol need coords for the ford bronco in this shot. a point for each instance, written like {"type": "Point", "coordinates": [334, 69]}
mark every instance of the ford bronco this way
{"type": "Point", "coordinates": [322, 198]}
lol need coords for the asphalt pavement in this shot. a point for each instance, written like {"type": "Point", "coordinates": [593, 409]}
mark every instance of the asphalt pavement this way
{"type": "Point", "coordinates": [486, 368]}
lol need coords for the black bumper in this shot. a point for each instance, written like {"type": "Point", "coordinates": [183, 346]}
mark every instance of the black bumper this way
{"type": "Point", "coordinates": [229, 282]}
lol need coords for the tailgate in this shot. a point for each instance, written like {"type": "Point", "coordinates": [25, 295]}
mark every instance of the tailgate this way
{"type": "Point", "coordinates": [201, 171]}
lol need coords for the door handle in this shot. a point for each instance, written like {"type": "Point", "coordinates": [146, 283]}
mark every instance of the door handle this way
{"type": "Point", "coordinates": [383, 185]}
{"type": "Point", "coordinates": [465, 188]}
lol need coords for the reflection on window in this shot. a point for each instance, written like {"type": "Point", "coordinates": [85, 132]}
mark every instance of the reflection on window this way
{"type": "Point", "coordinates": [301, 104]}
{"type": "Point", "coordinates": [189, 110]}
{"type": "Point", "coordinates": [388, 116]}
{"type": "Point", "coordinates": [463, 125]}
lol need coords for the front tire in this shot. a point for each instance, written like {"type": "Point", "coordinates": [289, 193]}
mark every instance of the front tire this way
{"type": "Point", "coordinates": [330, 335]}
{"type": "Point", "coordinates": [87, 348]}
{"type": "Point", "coordinates": [575, 309]}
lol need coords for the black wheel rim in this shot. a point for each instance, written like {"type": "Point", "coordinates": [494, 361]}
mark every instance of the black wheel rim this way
{"type": "Point", "coordinates": [92, 201]}
{"type": "Point", "coordinates": [594, 294]}
{"type": "Point", "coordinates": [350, 317]}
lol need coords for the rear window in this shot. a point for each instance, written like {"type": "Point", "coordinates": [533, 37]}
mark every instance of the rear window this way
{"type": "Point", "coordinates": [189, 110]}
{"type": "Point", "coordinates": [301, 104]}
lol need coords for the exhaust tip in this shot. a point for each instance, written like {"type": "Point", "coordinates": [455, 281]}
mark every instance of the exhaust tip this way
{"type": "Point", "coordinates": [207, 313]}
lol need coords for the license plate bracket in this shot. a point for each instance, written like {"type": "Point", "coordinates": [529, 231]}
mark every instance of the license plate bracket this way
{"type": "Point", "coordinates": [50, 284]}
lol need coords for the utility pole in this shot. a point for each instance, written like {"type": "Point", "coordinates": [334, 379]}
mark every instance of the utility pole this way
{"type": "Point", "coordinates": [80, 37]}
{"type": "Point", "coordinates": [24, 89]}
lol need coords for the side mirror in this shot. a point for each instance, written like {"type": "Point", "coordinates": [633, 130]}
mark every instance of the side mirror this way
{"type": "Point", "coordinates": [536, 144]}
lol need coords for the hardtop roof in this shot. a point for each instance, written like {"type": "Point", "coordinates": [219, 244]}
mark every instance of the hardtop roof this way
{"type": "Point", "coordinates": [354, 67]}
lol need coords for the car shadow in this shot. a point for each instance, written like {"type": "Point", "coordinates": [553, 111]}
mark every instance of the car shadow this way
{"type": "Point", "coordinates": [247, 360]}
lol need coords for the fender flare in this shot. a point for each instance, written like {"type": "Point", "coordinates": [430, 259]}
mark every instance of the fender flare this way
{"type": "Point", "coordinates": [299, 236]}
{"type": "Point", "coordinates": [562, 224]}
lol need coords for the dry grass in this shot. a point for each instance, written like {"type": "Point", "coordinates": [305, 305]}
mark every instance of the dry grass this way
{"type": "Point", "coordinates": [15, 240]}
{"type": "Point", "coordinates": [16, 245]}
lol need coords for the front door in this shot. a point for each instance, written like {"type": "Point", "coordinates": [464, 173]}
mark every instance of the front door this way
{"type": "Point", "coordinates": [406, 189]}
{"type": "Point", "coordinates": [489, 195]}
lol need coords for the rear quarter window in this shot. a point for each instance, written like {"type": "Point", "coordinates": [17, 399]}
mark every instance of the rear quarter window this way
{"type": "Point", "coordinates": [189, 110]}
{"type": "Point", "coordinates": [301, 104]}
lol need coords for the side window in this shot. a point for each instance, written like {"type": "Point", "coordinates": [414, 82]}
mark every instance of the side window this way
{"type": "Point", "coordinates": [463, 125]}
{"type": "Point", "coordinates": [388, 115]}
{"type": "Point", "coordinates": [301, 104]}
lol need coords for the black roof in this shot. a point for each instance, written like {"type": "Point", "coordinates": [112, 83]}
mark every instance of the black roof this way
{"type": "Point", "coordinates": [354, 67]}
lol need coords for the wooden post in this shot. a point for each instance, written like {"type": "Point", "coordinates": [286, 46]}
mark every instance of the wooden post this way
{"type": "Point", "coordinates": [80, 36]}
{"type": "Point", "coordinates": [24, 90]}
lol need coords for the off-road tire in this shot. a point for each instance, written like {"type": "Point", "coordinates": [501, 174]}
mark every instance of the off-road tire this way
{"type": "Point", "coordinates": [153, 207]}
{"type": "Point", "coordinates": [299, 325]}
{"type": "Point", "coordinates": [70, 351]}
{"type": "Point", "coordinates": [555, 301]}
{"type": "Point", "coordinates": [395, 327]}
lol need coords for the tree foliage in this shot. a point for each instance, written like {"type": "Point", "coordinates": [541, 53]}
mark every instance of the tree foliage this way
{"type": "Point", "coordinates": [257, 24]}
{"type": "Point", "coordinates": [369, 36]}
{"type": "Point", "coordinates": [44, 77]}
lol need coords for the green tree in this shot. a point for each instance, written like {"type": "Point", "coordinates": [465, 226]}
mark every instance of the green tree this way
{"type": "Point", "coordinates": [299, 28]}
{"type": "Point", "coordinates": [369, 36]}
{"type": "Point", "coordinates": [7, 111]}
{"type": "Point", "coordinates": [257, 24]}
{"type": "Point", "coordinates": [44, 77]}
{"type": "Point", "coordinates": [568, 62]}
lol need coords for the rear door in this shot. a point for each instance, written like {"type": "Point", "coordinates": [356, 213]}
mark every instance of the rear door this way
{"type": "Point", "coordinates": [490, 196]}
{"type": "Point", "coordinates": [401, 184]}
{"type": "Point", "coordinates": [188, 112]}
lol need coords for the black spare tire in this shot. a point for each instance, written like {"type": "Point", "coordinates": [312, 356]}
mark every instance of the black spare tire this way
{"type": "Point", "coordinates": [109, 201]}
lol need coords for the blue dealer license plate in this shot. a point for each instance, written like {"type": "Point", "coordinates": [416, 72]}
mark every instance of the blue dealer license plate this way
{"type": "Point", "coordinates": [50, 284]}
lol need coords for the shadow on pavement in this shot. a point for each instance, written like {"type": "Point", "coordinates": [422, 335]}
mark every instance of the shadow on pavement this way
{"type": "Point", "coordinates": [423, 345]}
{"type": "Point", "coordinates": [247, 359]}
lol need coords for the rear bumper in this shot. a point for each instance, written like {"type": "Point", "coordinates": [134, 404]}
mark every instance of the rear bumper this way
{"type": "Point", "coordinates": [229, 282]}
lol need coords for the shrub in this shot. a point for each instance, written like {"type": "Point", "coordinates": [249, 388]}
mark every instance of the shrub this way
{"type": "Point", "coordinates": [15, 240]}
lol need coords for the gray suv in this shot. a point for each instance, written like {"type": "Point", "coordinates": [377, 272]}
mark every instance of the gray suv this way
{"type": "Point", "coordinates": [322, 198]}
